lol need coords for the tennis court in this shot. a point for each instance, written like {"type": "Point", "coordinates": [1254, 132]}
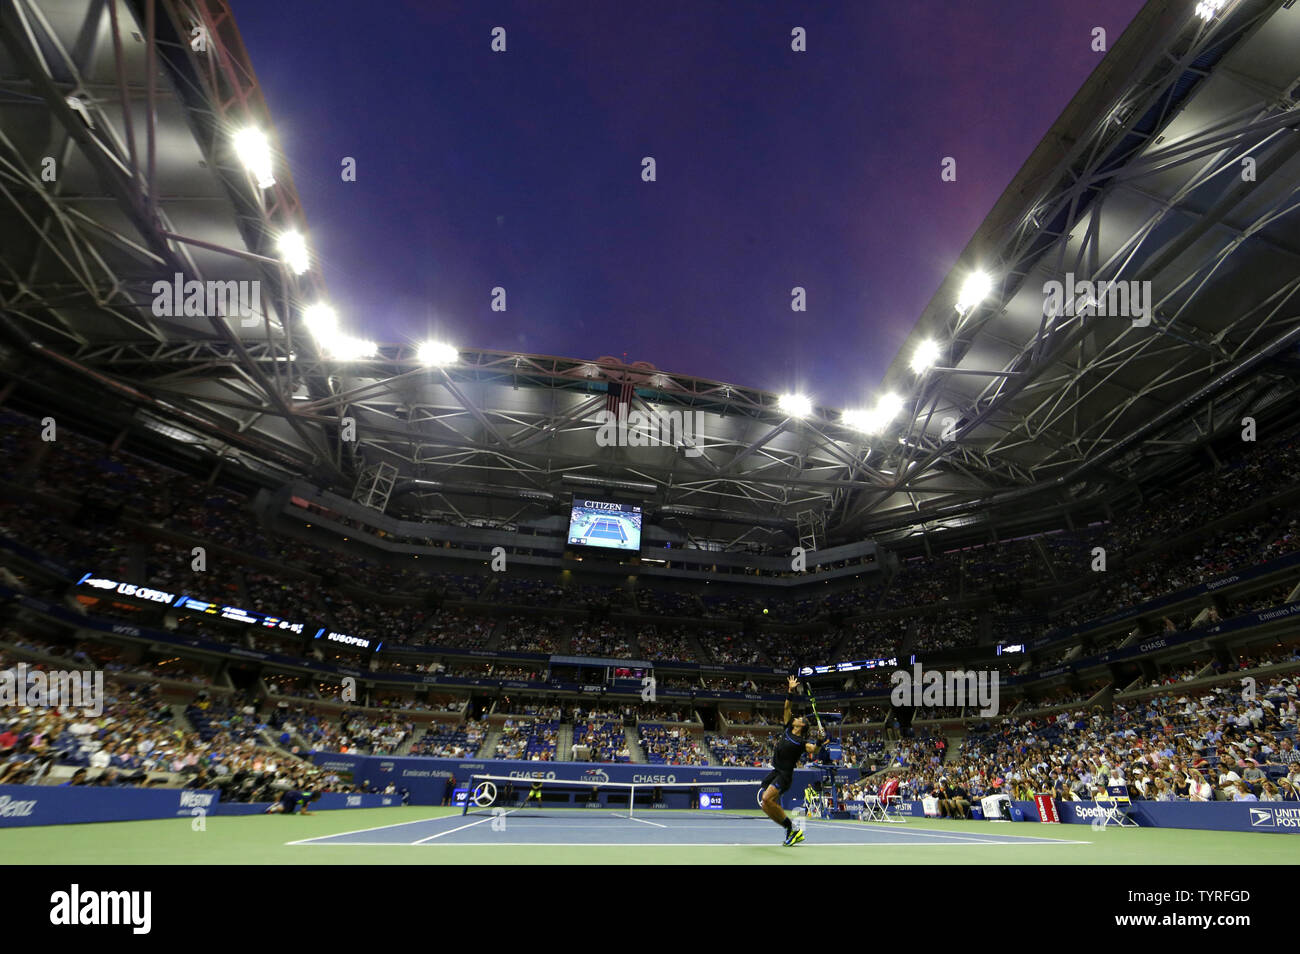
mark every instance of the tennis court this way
{"type": "Point", "coordinates": [605, 528]}
{"type": "Point", "coordinates": [691, 829]}
{"type": "Point", "coordinates": [439, 836]}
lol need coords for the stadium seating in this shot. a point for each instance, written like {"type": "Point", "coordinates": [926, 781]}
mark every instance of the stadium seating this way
{"type": "Point", "coordinates": [662, 745]}
{"type": "Point", "coordinates": [148, 515]}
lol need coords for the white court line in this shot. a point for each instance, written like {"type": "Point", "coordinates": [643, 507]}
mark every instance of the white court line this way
{"type": "Point", "coordinates": [452, 831]}
{"type": "Point", "coordinates": [660, 844]}
{"type": "Point", "coordinates": [984, 838]}
{"type": "Point", "coordinates": [641, 820]}
{"type": "Point", "coordinates": [553, 825]}
{"type": "Point", "coordinates": [964, 836]}
{"type": "Point", "coordinates": [418, 821]}
{"type": "Point", "coordinates": [952, 838]}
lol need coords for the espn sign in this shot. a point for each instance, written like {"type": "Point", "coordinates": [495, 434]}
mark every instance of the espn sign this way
{"type": "Point", "coordinates": [1275, 818]}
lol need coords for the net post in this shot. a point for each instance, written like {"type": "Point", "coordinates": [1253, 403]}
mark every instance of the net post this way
{"type": "Point", "coordinates": [631, 800]}
{"type": "Point", "coordinates": [469, 787]}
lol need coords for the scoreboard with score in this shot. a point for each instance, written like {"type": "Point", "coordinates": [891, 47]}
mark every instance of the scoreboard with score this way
{"type": "Point", "coordinates": [237, 615]}
{"type": "Point", "coordinates": [855, 666]}
{"type": "Point", "coordinates": [234, 614]}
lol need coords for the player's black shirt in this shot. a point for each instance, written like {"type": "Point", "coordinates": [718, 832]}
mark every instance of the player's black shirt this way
{"type": "Point", "coordinates": [292, 801]}
{"type": "Point", "coordinates": [789, 750]}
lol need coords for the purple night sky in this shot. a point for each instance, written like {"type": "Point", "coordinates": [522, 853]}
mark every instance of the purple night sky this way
{"type": "Point", "coordinates": [775, 169]}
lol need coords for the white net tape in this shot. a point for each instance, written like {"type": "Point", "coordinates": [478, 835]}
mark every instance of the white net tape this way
{"type": "Point", "coordinates": [485, 792]}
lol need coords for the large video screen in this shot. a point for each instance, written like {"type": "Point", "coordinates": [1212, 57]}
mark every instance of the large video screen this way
{"type": "Point", "coordinates": [598, 523]}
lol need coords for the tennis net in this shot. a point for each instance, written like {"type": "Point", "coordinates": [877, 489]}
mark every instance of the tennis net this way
{"type": "Point", "coordinates": [487, 793]}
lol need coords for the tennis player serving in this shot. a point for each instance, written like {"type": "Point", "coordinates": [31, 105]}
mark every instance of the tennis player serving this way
{"type": "Point", "coordinates": [795, 742]}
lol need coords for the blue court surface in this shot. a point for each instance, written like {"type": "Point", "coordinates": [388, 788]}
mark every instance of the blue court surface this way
{"type": "Point", "coordinates": [573, 828]}
{"type": "Point", "coordinates": [606, 528]}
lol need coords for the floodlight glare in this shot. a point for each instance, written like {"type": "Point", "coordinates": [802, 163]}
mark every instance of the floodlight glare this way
{"type": "Point", "coordinates": [321, 321]}
{"type": "Point", "coordinates": [858, 419]}
{"type": "Point", "coordinates": [926, 356]}
{"type": "Point", "coordinates": [347, 348]}
{"type": "Point", "coordinates": [973, 291]}
{"type": "Point", "coordinates": [887, 407]}
{"type": "Point", "coordinates": [293, 251]}
{"type": "Point", "coordinates": [879, 417]}
{"type": "Point", "coordinates": [876, 419]}
{"type": "Point", "coordinates": [436, 354]}
{"type": "Point", "coordinates": [1208, 9]}
{"type": "Point", "coordinates": [795, 405]}
{"type": "Point", "coordinates": [254, 153]}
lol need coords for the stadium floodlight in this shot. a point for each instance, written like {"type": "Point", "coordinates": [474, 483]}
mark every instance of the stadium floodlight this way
{"type": "Point", "coordinates": [436, 354]}
{"type": "Point", "coordinates": [795, 405]}
{"type": "Point", "coordinates": [973, 291]}
{"type": "Point", "coordinates": [857, 418]}
{"type": "Point", "coordinates": [321, 320]}
{"type": "Point", "coordinates": [926, 356]}
{"type": "Point", "coordinates": [347, 348]}
{"type": "Point", "coordinates": [882, 414]}
{"type": "Point", "coordinates": [293, 251]}
{"type": "Point", "coordinates": [887, 407]}
{"type": "Point", "coordinates": [1209, 9]}
{"type": "Point", "coordinates": [876, 419]}
{"type": "Point", "coordinates": [254, 152]}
